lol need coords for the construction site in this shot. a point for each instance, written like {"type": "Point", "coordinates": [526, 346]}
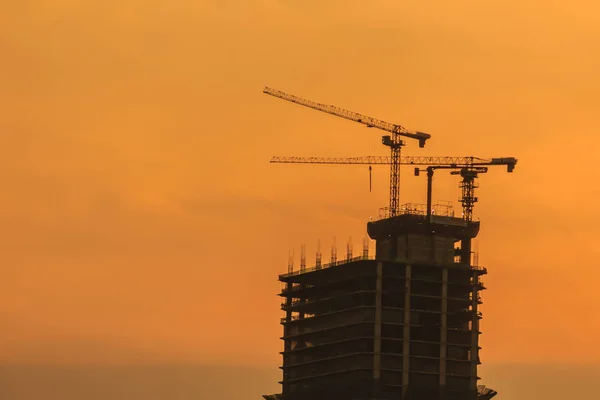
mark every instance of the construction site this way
{"type": "Point", "coordinates": [403, 324]}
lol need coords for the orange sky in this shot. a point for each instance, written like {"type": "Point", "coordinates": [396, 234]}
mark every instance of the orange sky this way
{"type": "Point", "coordinates": [141, 218]}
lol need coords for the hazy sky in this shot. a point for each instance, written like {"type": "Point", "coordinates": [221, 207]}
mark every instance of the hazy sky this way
{"type": "Point", "coordinates": [143, 223]}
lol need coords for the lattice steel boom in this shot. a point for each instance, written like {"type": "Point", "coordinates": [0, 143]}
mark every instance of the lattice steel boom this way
{"type": "Point", "coordinates": [468, 168]}
{"type": "Point", "coordinates": [351, 115]}
{"type": "Point", "coordinates": [386, 160]}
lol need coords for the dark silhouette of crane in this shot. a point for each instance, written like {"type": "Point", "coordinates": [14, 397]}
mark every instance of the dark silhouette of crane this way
{"type": "Point", "coordinates": [467, 167]}
{"type": "Point", "coordinates": [393, 141]}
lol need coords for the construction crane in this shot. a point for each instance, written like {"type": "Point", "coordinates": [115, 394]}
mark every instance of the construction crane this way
{"type": "Point", "coordinates": [392, 141]}
{"type": "Point", "coordinates": [467, 167]}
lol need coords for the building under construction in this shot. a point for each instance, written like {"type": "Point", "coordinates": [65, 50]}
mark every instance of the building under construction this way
{"type": "Point", "coordinates": [401, 325]}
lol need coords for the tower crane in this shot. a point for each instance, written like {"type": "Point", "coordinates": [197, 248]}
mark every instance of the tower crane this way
{"type": "Point", "coordinates": [392, 141]}
{"type": "Point", "coordinates": [467, 167]}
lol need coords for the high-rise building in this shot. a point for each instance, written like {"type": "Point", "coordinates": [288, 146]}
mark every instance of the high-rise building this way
{"type": "Point", "coordinates": [401, 325]}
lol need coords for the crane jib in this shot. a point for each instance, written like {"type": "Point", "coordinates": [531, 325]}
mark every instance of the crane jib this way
{"type": "Point", "coordinates": [370, 122]}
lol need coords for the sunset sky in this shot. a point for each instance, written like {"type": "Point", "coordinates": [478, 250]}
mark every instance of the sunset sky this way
{"type": "Point", "coordinates": [142, 221]}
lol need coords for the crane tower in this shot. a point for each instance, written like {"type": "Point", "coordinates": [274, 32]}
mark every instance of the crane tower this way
{"type": "Point", "coordinates": [403, 325]}
{"type": "Point", "coordinates": [393, 141]}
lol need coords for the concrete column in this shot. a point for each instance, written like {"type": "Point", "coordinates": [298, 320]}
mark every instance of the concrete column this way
{"type": "Point", "coordinates": [300, 358]}
{"type": "Point", "coordinates": [465, 256]}
{"type": "Point", "coordinates": [393, 251]}
{"type": "Point", "coordinates": [287, 344]}
{"type": "Point", "coordinates": [474, 332]}
{"type": "Point", "coordinates": [444, 327]}
{"type": "Point", "coordinates": [288, 317]}
{"type": "Point", "coordinates": [432, 250]}
{"type": "Point", "coordinates": [406, 333]}
{"type": "Point", "coordinates": [377, 342]}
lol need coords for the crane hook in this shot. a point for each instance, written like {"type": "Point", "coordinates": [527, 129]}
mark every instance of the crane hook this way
{"type": "Point", "coordinates": [370, 169]}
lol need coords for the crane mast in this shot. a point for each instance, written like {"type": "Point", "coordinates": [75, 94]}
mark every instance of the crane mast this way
{"type": "Point", "coordinates": [395, 145]}
{"type": "Point", "coordinates": [393, 141]}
